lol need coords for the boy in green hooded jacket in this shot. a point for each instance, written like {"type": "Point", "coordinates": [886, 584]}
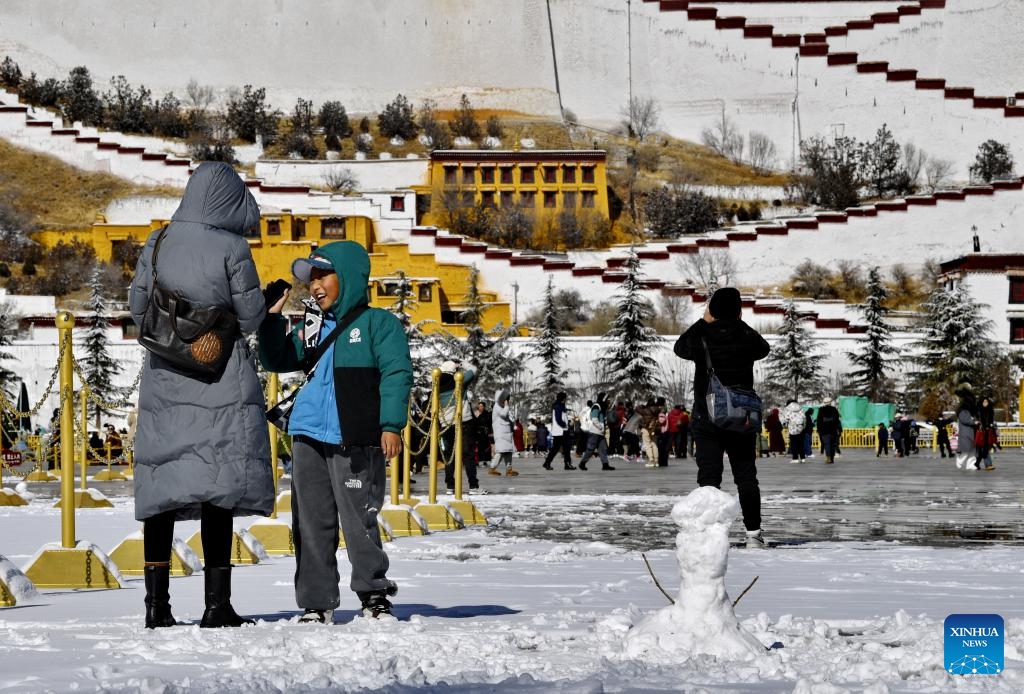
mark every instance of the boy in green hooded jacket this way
{"type": "Point", "coordinates": [345, 424]}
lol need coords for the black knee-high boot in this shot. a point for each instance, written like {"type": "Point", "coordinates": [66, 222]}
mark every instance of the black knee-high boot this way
{"type": "Point", "coordinates": [158, 598]}
{"type": "Point", "coordinates": [219, 612]}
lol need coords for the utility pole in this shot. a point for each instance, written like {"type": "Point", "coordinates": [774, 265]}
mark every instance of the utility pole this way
{"type": "Point", "coordinates": [515, 303]}
{"type": "Point", "coordinates": [629, 50]}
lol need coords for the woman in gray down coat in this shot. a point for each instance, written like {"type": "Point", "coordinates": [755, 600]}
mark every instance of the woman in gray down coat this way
{"type": "Point", "coordinates": [967, 422]}
{"type": "Point", "coordinates": [201, 444]}
{"type": "Point", "coordinates": [504, 444]}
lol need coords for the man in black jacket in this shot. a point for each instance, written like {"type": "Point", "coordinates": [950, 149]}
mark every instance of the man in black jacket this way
{"type": "Point", "coordinates": [829, 426]}
{"type": "Point", "coordinates": [733, 347]}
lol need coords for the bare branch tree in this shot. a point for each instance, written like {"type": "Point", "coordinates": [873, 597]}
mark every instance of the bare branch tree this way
{"type": "Point", "coordinates": [340, 180]}
{"type": "Point", "coordinates": [724, 139]}
{"type": "Point", "coordinates": [708, 270]}
{"type": "Point", "coordinates": [936, 172]}
{"type": "Point", "coordinates": [200, 97]}
{"type": "Point", "coordinates": [641, 116]}
{"type": "Point", "coordinates": [914, 160]}
{"type": "Point", "coordinates": [761, 152]}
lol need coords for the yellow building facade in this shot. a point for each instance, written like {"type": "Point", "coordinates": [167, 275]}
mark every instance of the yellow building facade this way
{"type": "Point", "coordinates": [438, 289]}
{"type": "Point", "coordinates": [542, 183]}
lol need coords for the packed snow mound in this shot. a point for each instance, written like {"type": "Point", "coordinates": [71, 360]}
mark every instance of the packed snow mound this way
{"type": "Point", "coordinates": [702, 621]}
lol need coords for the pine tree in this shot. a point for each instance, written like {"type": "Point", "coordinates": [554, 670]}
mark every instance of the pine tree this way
{"type": "Point", "coordinates": [488, 351]}
{"type": "Point", "coordinates": [957, 342]}
{"type": "Point", "coordinates": [8, 329]}
{"type": "Point", "coordinates": [547, 348]}
{"type": "Point", "coordinates": [793, 368]}
{"type": "Point", "coordinates": [882, 164]}
{"type": "Point", "coordinates": [630, 370]}
{"type": "Point", "coordinates": [98, 366]}
{"type": "Point", "coordinates": [874, 356]}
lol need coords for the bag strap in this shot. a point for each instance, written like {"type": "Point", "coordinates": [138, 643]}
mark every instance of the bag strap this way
{"type": "Point", "coordinates": [314, 357]}
{"type": "Point", "coordinates": [707, 358]}
{"type": "Point", "coordinates": [310, 361]}
{"type": "Point", "coordinates": [156, 252]}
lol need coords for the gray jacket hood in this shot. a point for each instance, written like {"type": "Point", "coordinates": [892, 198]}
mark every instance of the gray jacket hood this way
{"type": "Point", "coordinates": [217, 196]}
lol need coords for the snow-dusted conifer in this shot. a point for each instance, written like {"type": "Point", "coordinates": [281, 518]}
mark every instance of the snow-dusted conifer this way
{"type": "Point", "coordinates": [630, 369]}
{"type": "Point", "coordinates": [547, 348]}
{"type": "Point", "coordinates": [793, 368]}
{"type": "Point", "coordinates": [8, 379]}
{"type": "Point", "coordinates": [957, 341]}
{"type": "Point", "coordinates": [487, 350]}
{"type": "Point", "coordinates": [98, 366]}
{"type": "Point", "coordinates": [873, 357]}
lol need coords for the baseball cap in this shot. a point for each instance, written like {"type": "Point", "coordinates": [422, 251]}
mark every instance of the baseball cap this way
{"type": "Point", "coordinates": [302, 267]}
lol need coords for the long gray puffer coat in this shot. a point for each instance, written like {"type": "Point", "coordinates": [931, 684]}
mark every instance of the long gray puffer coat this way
{"type": "Point", "coordinates": [197, 440]}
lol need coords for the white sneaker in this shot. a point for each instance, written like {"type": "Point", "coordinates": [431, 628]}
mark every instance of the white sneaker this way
{"type": "Point", "coordinates": [795, 462]}
{"type": "Point", "coordinates": [755, 540]}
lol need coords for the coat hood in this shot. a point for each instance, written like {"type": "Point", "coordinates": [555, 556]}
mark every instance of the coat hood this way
{"type": "Point", "coordinates": [501, 397]}
{"type": "Point", "coordinates": [352, 264]}
{"type": "Point", "coordinates": [215, 195]}
{"type": "Point", "coordinates": [794, 407]}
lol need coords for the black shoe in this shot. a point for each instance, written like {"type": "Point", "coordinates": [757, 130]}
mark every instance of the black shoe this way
{"type": "Point", "coordinates": [547, 466]}
{"type": "Point", "coordinates": [583, 466]}
{"type": "Point", "coordinates": [570, 466]}
{"type": "Point", "coordinates": [607, 467]}
{"type": "Point", "coordinates": [376, 605]}
{"type": "Point", "coordinates": [219, 612]}
{"type": "Point", "coordinates": [158, 598]}
{"type": "Point", "coordinates": [317, 617]}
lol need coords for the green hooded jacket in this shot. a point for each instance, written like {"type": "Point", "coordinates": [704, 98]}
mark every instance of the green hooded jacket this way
{"type": "Point", "coordinates": [372, 367]}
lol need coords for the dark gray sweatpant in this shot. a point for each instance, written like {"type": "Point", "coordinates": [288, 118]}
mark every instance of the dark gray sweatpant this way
{"type": "Point", "coordinates": [329, 483]}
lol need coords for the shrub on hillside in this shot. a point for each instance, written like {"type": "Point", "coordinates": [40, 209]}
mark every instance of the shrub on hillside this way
{"type": "Point", "coordinates": [992, 161]}
{"type": "Point", "coordinates": [437, 134]}
{"type": "Point", "coordinates": [249, 116]}
{"type": "Point", "coordinates": [334, 120]}
{"type": "Point", "coordinates": [78, 99]}
{"type": "Point", "coordinates": [669, 213]}
{"type": "Point", "coordinates": [45, 94]}
{"type": "Point", "coordinates": [167, 118]}
{"type": "Point", "coordinates": [833, 172]}
{"type": "Point", "coordinates": [495, 128]}
{"type": "Point", "coordinates": [10, 74]}
{"type": "Point", "coordinates": [125, 108]}
{"type": "Point", "coordinates": [464, 123]}
{"type": "Point", "coordinates": [396, 120]}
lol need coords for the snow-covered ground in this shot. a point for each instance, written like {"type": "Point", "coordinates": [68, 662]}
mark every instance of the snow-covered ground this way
{"type": "Point", "coordinates": [501, 609]}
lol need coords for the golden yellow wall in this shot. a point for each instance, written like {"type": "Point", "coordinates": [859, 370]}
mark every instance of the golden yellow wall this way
{"type": "Point", "coordinates": [281, 241]}
{"type": "Point", "coordinates": [461, 174]}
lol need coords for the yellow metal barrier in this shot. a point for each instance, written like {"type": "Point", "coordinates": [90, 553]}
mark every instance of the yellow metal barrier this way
{"type": "Point", "coordinates": [75, 564]}
{"type": "Point", "coordinates": [275, 535]}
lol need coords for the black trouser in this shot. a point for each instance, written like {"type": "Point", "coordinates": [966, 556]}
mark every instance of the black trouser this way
{"type": "Point", "coordinates": [563, 444]}
{"type": "Point", "coordinates": [468, 463]}
{"type": "Point", "coordinates": [615, 440]}
{"type": "Point", "coordinates": [215, 528]}
{"type": "Point", "coordinates": [742, 458]}
{"type": "Point", "coordinates": [631, 443]}
{"type": "Point", "coordinates": [883, 447]}
{"type": "Point", "coordinates": [664, 443]}
{"type": "Point", "coordinates": [944, 448]}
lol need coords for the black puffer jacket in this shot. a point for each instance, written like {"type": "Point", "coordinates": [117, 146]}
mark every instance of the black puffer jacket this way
{"type": "Point", "coordinates": [734, 347]}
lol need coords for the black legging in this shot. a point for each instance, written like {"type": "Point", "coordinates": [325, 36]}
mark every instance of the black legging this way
{"type": "Point", "coordinates": [215, 529]}
{"type": "Point", "coordinates": [560, 444]}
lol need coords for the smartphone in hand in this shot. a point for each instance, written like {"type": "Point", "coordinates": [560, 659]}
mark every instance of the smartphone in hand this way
{"type": "Point", "coordinates": [274, 291]}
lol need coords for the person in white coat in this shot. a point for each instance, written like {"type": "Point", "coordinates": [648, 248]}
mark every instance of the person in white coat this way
{"type": "Point", "coordinates": [503, 424]}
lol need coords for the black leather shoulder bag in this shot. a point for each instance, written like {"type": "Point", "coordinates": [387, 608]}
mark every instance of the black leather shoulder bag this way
{"type": "Point", "coordinates": [195, 339]}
